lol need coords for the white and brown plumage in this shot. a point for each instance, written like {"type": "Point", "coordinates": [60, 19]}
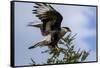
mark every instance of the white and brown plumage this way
{"type": "Point", "coordinates": [50, 26]}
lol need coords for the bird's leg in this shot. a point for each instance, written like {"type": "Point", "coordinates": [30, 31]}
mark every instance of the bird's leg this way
{"type": "Point", "coordinates": [57, 48]}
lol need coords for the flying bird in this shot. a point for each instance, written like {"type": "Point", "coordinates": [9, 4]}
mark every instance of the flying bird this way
{"type": "Point", "coordinates": [52, 38]}
{"type": "Point", "coordinates": [50, 25]}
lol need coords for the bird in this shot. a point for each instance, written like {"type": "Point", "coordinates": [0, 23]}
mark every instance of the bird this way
{"type": "Point", "coordinates": [50, 25]}
{"type": "Point", "coordinates": [48, 39]}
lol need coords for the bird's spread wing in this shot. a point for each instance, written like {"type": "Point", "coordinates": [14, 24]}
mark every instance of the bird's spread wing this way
{"type": "Point", "coordinates": [50, 18]}
{"type": "Point", "coordinates": [39, 25]}
{"type": "Point", "coordinates": [35, 25]}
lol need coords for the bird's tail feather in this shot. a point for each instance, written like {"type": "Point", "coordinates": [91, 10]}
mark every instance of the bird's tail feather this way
{"type": "Point", "coordinates": [36, 45]}
{"type": "Point", "coordinates": [43, 42]}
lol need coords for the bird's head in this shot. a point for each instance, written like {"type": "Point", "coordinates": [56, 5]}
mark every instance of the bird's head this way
{"type": "Point", "coordinates": [66, 29]}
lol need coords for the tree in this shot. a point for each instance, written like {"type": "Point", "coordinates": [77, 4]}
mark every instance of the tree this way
{"type": "Point", "coordinates": [65, 47]}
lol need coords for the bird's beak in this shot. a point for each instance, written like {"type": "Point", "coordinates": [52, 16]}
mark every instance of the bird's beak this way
{"type": "Point", "coordinates": [69, 30]}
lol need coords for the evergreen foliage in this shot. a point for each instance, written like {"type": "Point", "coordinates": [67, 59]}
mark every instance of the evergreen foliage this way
{"type": "Point", "coordinates": [66, 48]}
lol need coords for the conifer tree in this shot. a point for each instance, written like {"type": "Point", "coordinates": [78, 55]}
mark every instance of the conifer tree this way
{"type": "Point", "coordinates": [66, 48]}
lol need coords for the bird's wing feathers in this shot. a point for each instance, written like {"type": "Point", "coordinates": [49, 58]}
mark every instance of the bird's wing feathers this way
{"type": "Point", "coordinates": [35, 25]}
{"type": "Point", "coordinates": [47, 14]}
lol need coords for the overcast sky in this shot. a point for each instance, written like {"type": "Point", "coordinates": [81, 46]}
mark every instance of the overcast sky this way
{"type": "Point", "coordinates": [81, 20]}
